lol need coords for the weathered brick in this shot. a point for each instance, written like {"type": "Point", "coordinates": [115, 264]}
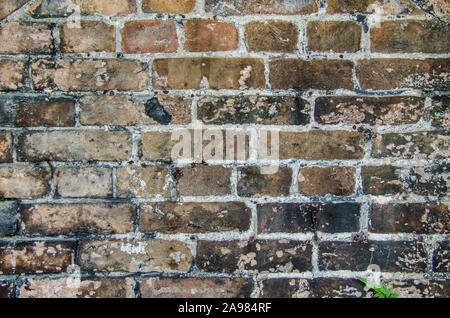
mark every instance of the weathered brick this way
{"type": "Point", "coordinates": [24, 182]}
{"type": "Point", "coordinates": [75, 219]}
{"type": "Point", "coordinates": [397, 110]}
{"type": "Point", "coordinates": [336, 36]}
{"type": "Point", "coordinates": [5, 147]}
{"type": "Point", "coordinates": [308, 217]}
{"type": "Point", "coordinates": [381, 180]}
{"type": "Point", "coordinates": [78, 182]}
{"type": "Point", "coordinates": [9, 6]}
{"type": "Point", "coordinates": [90, 75]}
{"type": "Point", "coordinates": [381, 7]}
{"type": "Point", "coordinates": [6, 288]}
{"type": "Point", "coordinates": [89, 288]}
{"type": "Point", "coordinates": [127, 111]}
{"type": "Point", "coordinates": [75, 146]}
{"type": "Point", "coordinates": [12, 75]}
{"type": "Point", "coordinates": [321, 145]}
{"type": "Point", "coordinates": [26, 38]}
{"type": "Point", "coordinates": [49, 112]}
{"type": "Point", "coordinates": [423, 145]}
{"type": "Point", "coordinates": [9, 212]}
{"type": "Point", "coordinates": [168, 6]}
{"type": "Point", "coordinates": [91, 36]}
{"type": "Point", "coordinates": [328, 180]}
{"type": "Point", "coordinates": [235, 7]}
{"type": "Point", "coordinates": [312, 288]}
{"type": "Point", "coordinates": [266, 110]}
{"type": "Point", "coordinates": [155, 287]}
{"type": "Point", "coordinates": [417, 218]}
{"type": "Point", "coordinates": [385, 74]}
{"type": "Point", "coordinates": [410, 36]}
{"type": "Point", "coordinates": [149, 37]}
{"type": "Point", "coordinates": [213, 73]}
{"type": "Point", "coordinates": [441, 262]}
{"type": "Point", "coordinates": [157, 146]}
{"type": "Point", "coordinates": [142, 182]}
{"type": "Point", "coordinates": [252, 182]}
{"type": "Point", "coordinates": [271, 36]}
{"type": "Point", "coordinates": [440, 113]}
{"type": "Point", "coordinates": [168, 217]}
{"type": "Point", "coordinates": [135, 256]}
{"type": "Point", "coordinates": [203, 180]}
{"type": "Point", "coordinates": [305, 75]}
{"type": "Point", "coordinates": [433, 179]}
{"type": "Point", "coordinates": [36, 257]}
{"type": "Point", "coordinates": [210, 35]}
{"type": "Point", "coordinates": [401, 256]}
{"type": "Point", "coordinates": [63, 8]}
{"type": "Point", "coordinates": [419, 288]}
{"type": "Point", "coordinates": [263, 256]}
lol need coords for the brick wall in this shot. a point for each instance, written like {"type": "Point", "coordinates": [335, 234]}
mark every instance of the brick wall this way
{"type": "Point", "coordinates": [358, 91]}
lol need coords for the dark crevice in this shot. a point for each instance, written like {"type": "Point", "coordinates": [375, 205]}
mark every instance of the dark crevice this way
{"type": "Point", "coordinates": [155, 110]}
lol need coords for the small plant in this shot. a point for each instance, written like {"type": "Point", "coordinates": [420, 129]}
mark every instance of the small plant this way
{"type": "Point", "coordinates": [3, 200]}
{"type": "Point", "coordinates": [380, 291]}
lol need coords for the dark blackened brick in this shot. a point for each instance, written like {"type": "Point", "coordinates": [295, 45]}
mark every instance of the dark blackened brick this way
{"type": "Point", "coordinates": [6, 289]}
{"type": "Point", "coordinates": [381, 180]}
{"type": "Point", "coordinates": [429, 180]}
{"type": "Point", "coordinates": [441, 255]}
{"type": "Point", "coordinates": [440, 113]}
{"type": "Point", "coordinates": [9, 211]}
{"type": "Point", "coordinates": [252, 182]}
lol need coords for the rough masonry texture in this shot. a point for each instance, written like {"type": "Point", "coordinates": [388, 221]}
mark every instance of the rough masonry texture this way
{"type": "Point", "coordinates": [92, 203]}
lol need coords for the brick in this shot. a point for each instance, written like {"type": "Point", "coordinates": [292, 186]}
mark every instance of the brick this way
{"type": "Point", "coordinates": [265, 110]}
{"type": "Point", "coordinates": [79, 182]}
{"type": "Point", "coordinates": [385, 74]}
{"type": "Point", "coordinates": [91, 36]}
{"type": "Point", "coordinates": [328, 180]}
{"type": "Point", "coordinates": [381, 180]}
{"type": "Point", "coordinates": [127, 111]}
{"type": "Point", "coordinates": [400, 256]}
{"type": "Point", "coordinates": [26, 38]}
{"type": "Point", "coordinates": [149, 37]}
{"type": "Point", "coordinates": [168, 6]}
{"type": "Point", "coordinates": [5, 147]}
{"type": "Point", "coordinates": [48, 112]}
{"type": "Point", "coordinates": [89, 288]}
{"type": "Point", "coordinates": [9, 6]}
{"type": "Point", "coordinates": [12, 75]}
{"type": "Point", "coordinates": [441, 261]}
{"type": "Point", "coordinates": [213, 73]}
{"type": "Point", "coordinates": [75, 146]}
{"type": "Point", "coordinates": [336, 36]}
{"type": "Point", "coordinates": [24, 182]}
{"type": "Point", "coordinates": [171, 218]}
{"type": "Point", "coordinates": [429, 180]}
{"type": "Point", "coordinates": [417, 218]}
{"type": "Point", "coordinates": [305, 75]}
{"type": "Point", "coordinates": [6, 288]}
{"type": "Point", "coordinates": [77, 219]}
{"type": "Point", "coordinates": [260, 256]}
{"type": "Point", "coordinates": [209, 35]}
{"type": "Point", "coordinates": [155, 287]}
{"type": "Point", "coordinates": [271, 36]}
{"type": "Point", "coordinates": [400, 7]}
{"type": "Point", "coordinates": [157, 146]}
{"type": "Point", "coordinates": [253, 183]}
{"type": "Point", "coordinates": [234, 7]}
{"type": "Point", "coordinates": [36, 257]}
{"type": "Point", "coordinates": [308, 217]}
{"type": "Point", "coordinates": [135, 256]}
{"type": "Point", "coordinates": [397, 110]}
{"type": "Point", "coordinates": [440, 113]}
{"type": "Point", "coordinates": [142, 182]}
{"type": "Point", "coordinates": [419, 288]}
{"type": "Point", "coordinates": [62, 8]}
{"type": "Point", "coordinates": [89, 75]}
{"type": "Point", "coordinates": [9, 212]}
{"type": "Point", "coordinates": [312, 288]}
{"type": "Point", "coordinates": [203, 180]}
{"type": "Point", "coordinates": [327, 145]}
{"type": "Point", "coordinates": [410, 36]}
{"type": "Point", "coordinates": [423, 145]}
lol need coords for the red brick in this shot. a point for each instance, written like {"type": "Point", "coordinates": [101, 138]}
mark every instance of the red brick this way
{"type": "Point", "coordinates": [305, 75]}
{"type": "Point", "coordinates": [94, 182]}
{"type": "Point", "coordinates": [271, 36]}
{"type": "Point", "coordinates": [203, 180]}
{"type": "Point", "coordinates": [231, 7]}
{"type": "Point", "coordinates": [336, 36]}
{"type": "Point", "coordinates": [24, 182]}
{"type": "Point", "coordinates": [208, 35]}
{"type": "Point", "coordinates": [213, 73]}
{"type": "Point", "coordinates": [52, 112]}
{"type": "Point", "coordinates": [12, 75]}
{"type": "Point", "coordinates": [62, 8]}
{"type": "Point", "coordinates": [91, 36]}
{"type": "Point", "coordinates": [329, 180]}
{"type": "Point", "coordinates": [168, 6]}
{"type": "Point", "coordinates": [142, 182]}
{"type": "Point", "coordinates": [149, 37]}
{"type": "Point", "coordinates": [26, 38]}
{"type": "Point", "coordinates": [5, 147]}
